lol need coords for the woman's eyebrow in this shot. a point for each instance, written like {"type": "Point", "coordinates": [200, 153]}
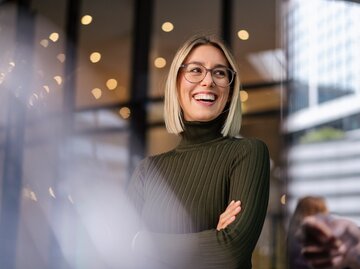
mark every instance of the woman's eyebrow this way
{"type": "Point", "coordinates": [203, 64]}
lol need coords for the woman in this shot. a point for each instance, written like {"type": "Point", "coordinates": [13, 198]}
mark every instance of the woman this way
{"type": "Point", "coordinates": [189, 198]}
{"type": "Point", "coordinates": [306, 206]}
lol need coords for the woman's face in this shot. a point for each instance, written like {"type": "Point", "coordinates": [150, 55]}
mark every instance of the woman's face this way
{"type": "Point", "coordinates": [204, 100]}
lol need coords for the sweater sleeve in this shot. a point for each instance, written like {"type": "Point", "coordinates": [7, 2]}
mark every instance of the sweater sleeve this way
{"type": "Point", "coordinates": [231, 247]}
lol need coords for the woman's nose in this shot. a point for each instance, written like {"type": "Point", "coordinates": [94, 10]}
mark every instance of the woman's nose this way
{"type": "Point", "coordinates": [208, 80]}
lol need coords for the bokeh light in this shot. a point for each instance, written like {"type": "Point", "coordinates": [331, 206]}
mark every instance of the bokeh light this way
{"type": "Point", "coordinates": [58, 79]}
{"type": "Point", "coordinates": [54, 37]}
{"type": "Point", "coordinates": [125, 112]}
{"type": "Point", "coordinates": [243, 35]}
{"type": "Point", "coordinates": [111, 84]}
{"type": "Point", "coordinates": [61, 57]}
{"type": "Point", "coordinates": [167, 26]}
{"type": "Point", "coordinates": [244, 96]}
{"type": "Point", "coordinates": [160, 62]}
{"type": "Point", "coordinates": [44, 43]}
{"type": "Point", "coordinates": [95, 57]}
{"type": "Point", "coordinates": [86, 19]}
{"type": "Point", "coordinates": [97, 93]}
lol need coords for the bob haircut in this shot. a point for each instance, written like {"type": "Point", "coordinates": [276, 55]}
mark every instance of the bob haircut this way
{"type": "Point", "coordinates": [172, 109]}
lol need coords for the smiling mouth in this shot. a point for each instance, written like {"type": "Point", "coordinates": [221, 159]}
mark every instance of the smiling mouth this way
{"type": "Point", "coordinates": [205, 97]}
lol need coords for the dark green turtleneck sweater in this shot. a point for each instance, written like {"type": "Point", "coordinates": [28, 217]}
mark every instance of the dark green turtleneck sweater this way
{"type": "Point", "coordinates": [180, 195]}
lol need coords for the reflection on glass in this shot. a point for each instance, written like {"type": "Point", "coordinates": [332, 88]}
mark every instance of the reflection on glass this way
{"type": "Point", "coordinates": [54, 37]}
{"type": "Point", "coordinates": [97, 93]}
{"type": "Point", "coordinates": [61, 57]}
{"type": "Point", "coordinates": [323, 125]}
{"type": "Point", "coordinates": [44, 43]}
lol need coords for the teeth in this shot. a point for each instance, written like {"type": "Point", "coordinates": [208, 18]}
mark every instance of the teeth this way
{"type": "Point", "coordinates": [205, 96]}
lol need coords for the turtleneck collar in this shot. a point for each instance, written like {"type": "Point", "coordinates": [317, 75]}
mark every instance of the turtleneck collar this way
{"type": "Point", "coordinates": [198, 132]}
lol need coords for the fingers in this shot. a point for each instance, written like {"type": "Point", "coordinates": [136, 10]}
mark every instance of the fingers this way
{"type": "Point", "coordinates": [322, 256]}
{"type": "Point", "coordinates": [228, 216]}
{"type": "Point", "coordinates": [313, 231]}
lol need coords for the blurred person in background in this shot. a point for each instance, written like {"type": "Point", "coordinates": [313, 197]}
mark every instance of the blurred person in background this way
{"type": "Point", "coordinates": [330, 242]}
{"type": "Point", "coordinates": [306, 206]}
{"type": "Point", "coordinates": [189, 198]}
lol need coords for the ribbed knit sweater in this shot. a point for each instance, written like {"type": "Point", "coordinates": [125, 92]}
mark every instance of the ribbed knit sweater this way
{"type": "Point", "coordinates": [180, 195]}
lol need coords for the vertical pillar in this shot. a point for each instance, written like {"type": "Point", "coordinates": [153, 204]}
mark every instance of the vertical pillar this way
{"type": "Point", "coordinates": [226, 20]}
{"type": "Point", "coordinates": [143, 13]}
{"type": "Point", "coordinates": [20, 80]}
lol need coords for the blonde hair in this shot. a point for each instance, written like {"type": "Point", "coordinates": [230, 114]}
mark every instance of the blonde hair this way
{"type": "Point", "coordinates": [172, 110]}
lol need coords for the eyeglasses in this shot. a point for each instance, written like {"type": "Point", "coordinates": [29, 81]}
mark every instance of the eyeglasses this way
{"type": "Point", "coordinates": [221, 75]}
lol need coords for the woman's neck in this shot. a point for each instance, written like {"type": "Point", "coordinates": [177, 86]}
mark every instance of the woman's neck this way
{"type": "Point", "coordinates": [197, 132]}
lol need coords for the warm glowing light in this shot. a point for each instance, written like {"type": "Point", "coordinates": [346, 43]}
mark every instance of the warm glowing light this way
{"type": "Point", "coordinates": [167, 26]}
{"type": "Point", "coordinates": [96, 92]}
{"type": "Point", "coordinates": [160, 62]}
{"type": "Point", "coordinates": [124, 112]}
{"type": "Point", "coordinates": [54, 37]}
{"type": "Point", "coordinates": [44, 43]}
{"type": "Point", "coordinates": [283, 199]}
{"type": "Point", "coordinates": [58, 79]}
{"type": "Point", "coordinates": [11, 67]}
{"type": "Point", "coordinates": [95, 57]}
{"type": "Point", "coordinates": [61, 57]}
{"type": "Point", "coordinates": [47, 89]}
{"type": "Point", "coordinates": [243, 35]}
{"type": "Point", "coordinates": [244, 96]}
{"type": "Point", "coordinates": [86, 19]}
{"type": "Point", "coordinates": [111, 84]}
{"type": "Point", "coordinates": [52, 193]}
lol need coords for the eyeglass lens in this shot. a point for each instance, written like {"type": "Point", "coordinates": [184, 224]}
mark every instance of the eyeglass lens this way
{"type": "Point", "coordinates": [222, 76]}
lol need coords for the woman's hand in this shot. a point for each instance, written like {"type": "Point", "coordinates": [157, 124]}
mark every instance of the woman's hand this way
{"type": "Point", "coordinates": [228, 216]}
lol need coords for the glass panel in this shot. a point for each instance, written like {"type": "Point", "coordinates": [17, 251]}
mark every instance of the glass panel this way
{"type": "Point", "coordinates": [256, 47]}
{"type": "Point", "coordinates": [323, 124]}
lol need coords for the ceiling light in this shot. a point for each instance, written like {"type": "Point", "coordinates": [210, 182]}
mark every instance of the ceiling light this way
{"type": "Point", "coordinates": [124, 112]}
{"type": "Point", "coordinates": [243, 35]}
{"type": "Point", "coordinates": [86, 19]}
{"type": "Point", "coordinates": [160, 62]}
{"type": "Point", "coordinates": [244, 96]}
{"type": "Point", "coordinates": [95, 57]}
{"type": "Point", "coordinates": [96, 92]}
{"type": "Point", "coordinates": [111, 84]}
{"type": "Point", "coordinates": [54, 37]}
{"type": "Point", "coordinates": [167, 26]}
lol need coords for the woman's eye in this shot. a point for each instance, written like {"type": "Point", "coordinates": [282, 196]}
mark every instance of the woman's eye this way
{"type": "Point", "coordinates": [196, 70]}
{"type": "Point", "coordinates": [219, 73]}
